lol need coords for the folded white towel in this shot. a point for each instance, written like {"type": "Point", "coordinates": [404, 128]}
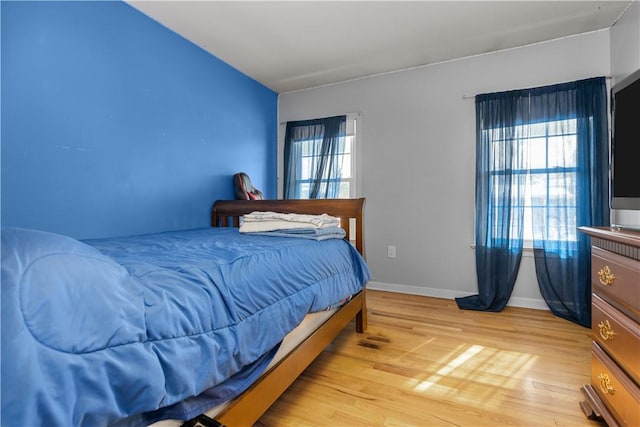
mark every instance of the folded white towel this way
{"type": "Point", "coordinates": [324, 233]}
{"type": "Point", "coordinates": [269, 221]}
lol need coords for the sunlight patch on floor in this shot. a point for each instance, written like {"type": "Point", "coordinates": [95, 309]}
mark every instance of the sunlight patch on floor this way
{"type": "Point", "coordinates": [448, 368]}
{"type": "Point", "coordinates": [478, 364]}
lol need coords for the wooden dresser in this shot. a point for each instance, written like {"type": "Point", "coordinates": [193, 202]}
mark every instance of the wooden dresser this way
{"type": "Point", "coordinates": [614, 391]}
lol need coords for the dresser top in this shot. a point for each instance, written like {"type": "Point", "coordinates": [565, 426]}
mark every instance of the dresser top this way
{"type": "Point", "coordinates": [615, 234]}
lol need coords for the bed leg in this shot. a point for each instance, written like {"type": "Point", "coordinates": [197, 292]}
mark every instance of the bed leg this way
{"type": "Point", "coordinates": [361, 317]}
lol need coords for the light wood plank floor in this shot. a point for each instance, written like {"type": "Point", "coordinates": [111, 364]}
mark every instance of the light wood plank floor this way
{"type": "Point", "coordinates": [424, 362]}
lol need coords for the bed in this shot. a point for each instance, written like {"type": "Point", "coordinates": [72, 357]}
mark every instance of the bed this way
{"type": "Point", "coordinates": [125, 331]}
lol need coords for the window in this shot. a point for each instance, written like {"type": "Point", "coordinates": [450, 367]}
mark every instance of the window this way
{"type": "Point", "coordinates": [541, 171]}
{"type": "Point", "coordinates": [547, 172]}
{"type": "Point", "coordinates": [311, 162]}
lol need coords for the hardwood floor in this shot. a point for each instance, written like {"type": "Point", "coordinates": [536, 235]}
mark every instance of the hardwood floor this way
{"type": "Point", "coordinates": [424, 362]}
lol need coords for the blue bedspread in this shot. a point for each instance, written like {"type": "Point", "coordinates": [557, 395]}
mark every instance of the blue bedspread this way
{"type": "Point", "coordinates": [99, 331]}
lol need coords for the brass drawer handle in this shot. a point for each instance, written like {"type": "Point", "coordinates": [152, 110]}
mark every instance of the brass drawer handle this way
{"type": "Point", "coordinates": [606, 331]}
{"type": "Point", "coordinates": [605, 384]}
{"type": "Point", "coordinates": [606, 276]}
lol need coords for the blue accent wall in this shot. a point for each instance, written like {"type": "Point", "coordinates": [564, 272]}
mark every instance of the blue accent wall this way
{"type": "Point", "coordinates": [112, 124]}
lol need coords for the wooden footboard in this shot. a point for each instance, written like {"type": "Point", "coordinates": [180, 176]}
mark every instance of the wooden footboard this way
{"type": "Point", "coordinates": [247, 409]}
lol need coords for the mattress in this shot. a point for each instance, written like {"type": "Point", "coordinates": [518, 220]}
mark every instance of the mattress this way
{"type": "Point", "coordinates": [308, 326]}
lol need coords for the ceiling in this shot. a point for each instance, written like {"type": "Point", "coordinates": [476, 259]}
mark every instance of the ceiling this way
{"type": "Point", "coordinates": [294, 45]}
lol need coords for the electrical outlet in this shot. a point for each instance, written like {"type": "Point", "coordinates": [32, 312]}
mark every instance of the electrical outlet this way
{"type": "Point", "coordinates": [391, 251]}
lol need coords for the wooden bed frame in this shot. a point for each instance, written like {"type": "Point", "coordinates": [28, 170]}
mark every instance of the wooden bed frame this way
{"type": "Point", "coordinates": [247, 408]}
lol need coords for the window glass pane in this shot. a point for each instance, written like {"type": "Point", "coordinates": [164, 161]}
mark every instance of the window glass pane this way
{"type": "Point", "coordinates": [537, 128]}
{"type": "Point", "coordinates": [546, 152]}
{"type": "Point", "coordinates": [345, 165]}
{"type": "Point", "coordinates": [538, 153]}
{"type": "Point", "coordinates": [344, 193]}
{"type": "Point", "coordinates": [562, 151]}
{"type": "Point", "coordinates": [348, 142]}
{"type": "Point", "coordinates": [306, 167]}
{"type": "Point", "coordinates": [553, 204]}
{"type": "Point", "coordinates": [498, 159]}
{"type": "Point", "coordinates": [305, 189]}
{"type": "Point", "coordinates": [561, 127]}
{"type": "Point", "coordinates": [559, 223]}
{"type": "Point", "coordinates": [307, 147]}
{"type": "Point", "coordinates": [562, 189]}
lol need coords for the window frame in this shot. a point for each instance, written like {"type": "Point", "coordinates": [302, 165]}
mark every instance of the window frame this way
{"type": "Point", "coordinates": [529, 207]}
{"type": "Point", "coordinates": [352, 135]}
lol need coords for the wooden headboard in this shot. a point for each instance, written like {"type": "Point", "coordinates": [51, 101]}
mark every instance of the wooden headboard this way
{"type": "Point", "coordinates": [227, 213]}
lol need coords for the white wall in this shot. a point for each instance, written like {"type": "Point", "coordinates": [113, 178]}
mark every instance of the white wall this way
{"type": "Point", "coordinates": [625, 59]}
{"type": "Point", "coordinates": [418, 157]}
{"type": "Point", "coordinates": [625, 43]}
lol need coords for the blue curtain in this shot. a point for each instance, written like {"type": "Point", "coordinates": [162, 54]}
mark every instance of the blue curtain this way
{"type": "Point", "coordinates": [554, 139]}
{"type": "Point", "coordinates": [499, 198]}
{"type": "Point", "coordinates": [311, 148]}
{"type": "Point", "coordinates": [562, 254]}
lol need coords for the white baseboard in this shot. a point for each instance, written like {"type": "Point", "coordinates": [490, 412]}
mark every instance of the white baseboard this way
{"type": "Point", "coordinates": [450, 294]}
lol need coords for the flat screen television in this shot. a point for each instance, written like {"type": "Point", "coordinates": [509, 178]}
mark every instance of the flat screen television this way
{"type": "Point", "coordinates": [625, 143]}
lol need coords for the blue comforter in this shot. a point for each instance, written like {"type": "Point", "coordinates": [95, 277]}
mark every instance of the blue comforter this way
{"type": "Point", "coordinates": [101, 331]}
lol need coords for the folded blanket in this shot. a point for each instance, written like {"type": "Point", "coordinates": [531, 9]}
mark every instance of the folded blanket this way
{"type": "Point", "coordinates": [306, 233]}
{"type": "Point", "coordinates": [255, 222]}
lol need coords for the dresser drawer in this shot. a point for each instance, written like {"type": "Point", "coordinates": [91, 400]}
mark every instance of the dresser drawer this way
{"type": "Point", "coordinates": [619, 393]}
{"type": "Point", "coordinates": [618, 278]}
{"type": "Point", "coordinates": [617, 335]}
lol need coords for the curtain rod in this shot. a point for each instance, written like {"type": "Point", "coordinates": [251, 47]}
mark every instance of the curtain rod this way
{"type": "Point", "coordinates": [608, 77]}
{"type": "Point", "coordinates": [353, 113]}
